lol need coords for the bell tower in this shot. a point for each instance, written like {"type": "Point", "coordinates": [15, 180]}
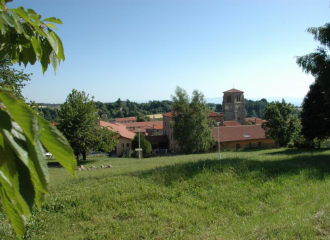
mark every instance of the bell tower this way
{"type": "Point", "coordinates": [233, 105]}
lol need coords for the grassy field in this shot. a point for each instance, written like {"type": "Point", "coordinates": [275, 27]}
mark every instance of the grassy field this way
{"type": "Point", "coordinates": [266, 194]}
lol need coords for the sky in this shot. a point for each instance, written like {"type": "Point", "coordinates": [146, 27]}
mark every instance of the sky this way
{"type": "Point", "coordinates": [142, 49]}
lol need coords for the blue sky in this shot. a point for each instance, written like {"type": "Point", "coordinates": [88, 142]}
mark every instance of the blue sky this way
{"type": "Point", "coordinates": [141, 50]}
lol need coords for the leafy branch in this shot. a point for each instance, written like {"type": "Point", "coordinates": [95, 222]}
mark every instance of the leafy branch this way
{"type": "Point", "coordinates": [25, 38]}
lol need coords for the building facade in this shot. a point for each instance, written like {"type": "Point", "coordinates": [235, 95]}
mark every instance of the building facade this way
{"type": "Point", "coordinates": [125, 137]}
{"type": "Point", "coordinates": [233, 105]}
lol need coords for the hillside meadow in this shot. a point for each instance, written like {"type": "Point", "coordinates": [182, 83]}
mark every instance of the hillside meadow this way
{"type": "Point", "coordinates": [265, 194]}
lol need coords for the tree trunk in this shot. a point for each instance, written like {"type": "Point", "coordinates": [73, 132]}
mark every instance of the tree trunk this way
{"type": "Point", "coordinates": [84, 155]}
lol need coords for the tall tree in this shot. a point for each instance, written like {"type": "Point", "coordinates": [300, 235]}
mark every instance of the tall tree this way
{"type": "Point", "coordinates": [181, 118]}
{"type": "Point", "coordinates": [280, 124]}
{"type": "Point", "coordinates": [200, 137]}
{"type": "Point", "coordinates": [192, 126]}
{"type": "Point", "coordinates": [318, 62]}
{"type": "Point", "coordinates": [78, 123]}
{"type": "Point", "coordinates": [315, 116]}
{"type": "Point", "coordinates": [25, 38]}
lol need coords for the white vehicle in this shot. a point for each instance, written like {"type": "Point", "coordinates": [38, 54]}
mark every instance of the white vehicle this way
{"type": "Point", "coordinates": [48, 155]}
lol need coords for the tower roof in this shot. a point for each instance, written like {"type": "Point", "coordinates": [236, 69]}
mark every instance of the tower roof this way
{"type": "Point", "coordinates": [233, 90]}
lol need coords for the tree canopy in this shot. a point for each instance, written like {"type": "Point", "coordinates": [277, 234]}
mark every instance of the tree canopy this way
{"type": "Point", "coordinates": [256, 108]}
{"type": "Point", "coordinates": [78, 123]}
{"type": "Point", "coordinates": [281, 125]}
{"type": "Point", "coordinates": [192, 126]}
{"type": "Point", "coordinates": [318, 62]}
{"type": "Point", "coordinates": [315, 116]}
{"type": "Point", "coordinates": [13, 78]}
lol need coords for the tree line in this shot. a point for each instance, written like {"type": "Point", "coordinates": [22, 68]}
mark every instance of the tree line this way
{"type": "Point", "coordinates": [127, 108]}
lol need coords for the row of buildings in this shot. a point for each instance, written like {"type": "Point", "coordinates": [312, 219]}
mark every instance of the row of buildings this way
{"type": "Point", "coordinates": [235, 130]}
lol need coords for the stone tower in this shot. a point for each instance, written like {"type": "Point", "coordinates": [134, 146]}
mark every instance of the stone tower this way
{"type": "Point", "coordinates": [233, 105]}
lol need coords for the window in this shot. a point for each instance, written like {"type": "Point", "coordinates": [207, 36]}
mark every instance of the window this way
{"type": "Point", "coordinates": [123, 145]}
{"type": "Point", "coordinates": [237, 146]}
{"type": "Point", "coordinates": [127, 144]}
{"type": "Point", "coordinates": [259, 144]}
{"type": "Point", "coordinates": [238, 98]}
{"type": "Point", "coordinates": [246, 135]}
{"type": "Point", "coordinates": [228, 98]}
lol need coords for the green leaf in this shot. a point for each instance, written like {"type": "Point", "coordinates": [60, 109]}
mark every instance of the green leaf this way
{"type": "Point", "coordinates": [36, 20]}
{"type": "Point", "coordinates": [46, 49]}
{"type": "Point", "coordinates": [37, 47]}
{"type": "Point", "coordinates": [22, 13]}
{"type": "Point", "coordinates": [51, 25]}
{"type": "Point", "coordinates": [31, 11]}
{"type": "Point", "coordinates": [17, 22]}
{"type": "Point", "coordinates": [27, 121]}
{"type": "Point", "coordinates": [38, 170]}
{"type": "Point", "coordinates": [53, 60]}
{"type": "Point", "coordinates": [14, 217]}
{"type": "Point", "coordinates": [53, 20]}
{"type": "Point", "coordinates": [52, 41]}
{"type": "Point", "coordinates": [60, 53]}
{"type": "Point", "coordinates": [57, 144]}
{"type": "Point", "coordinates": [7, 18]}
{"type": "Point", "coordinates": [21, 113]}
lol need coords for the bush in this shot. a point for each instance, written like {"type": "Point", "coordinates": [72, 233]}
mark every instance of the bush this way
{"type": "Point", "coordinates": [301, 142]}
{"type": "Point", "coordinates": [144, 144]}
{"type": "Point", "coordinates": [126, 154]}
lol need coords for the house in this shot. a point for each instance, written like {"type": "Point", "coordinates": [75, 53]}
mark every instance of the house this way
{"type": "Point", "coordinates": [125, 137]}
{"type": "Point", "coordinates": [126, 120]}
{"type": "Point", "coordinates": [242, 136]}
{"type": "Point", "coordinates": [147, 128]}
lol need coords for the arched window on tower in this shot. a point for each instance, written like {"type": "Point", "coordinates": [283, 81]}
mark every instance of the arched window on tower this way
{"type": "Point", "coordinates": [238, 98]}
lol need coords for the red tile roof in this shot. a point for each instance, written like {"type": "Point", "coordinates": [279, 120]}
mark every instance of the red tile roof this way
{"type": "Point", "coordinates": [231, 123]}
{"type": "Point", "coordinates": [168, 114]}
{"type": "Point", "coordinates": [158, 127]}
{"type": "Point", "coordinates": [255, 120]}
{"type": "Point", "coordinates": [214, 114]}
{"type": "Point", "coordinates": [117, 127]}
{"type": "Point", "coordinates": [239, 133]}
{"type": "Point", "coordinates": [211, 114]}
{"type": "Point", "coordinates": [143, 124]}
{"type": "Point", "coordinates": [233, 90]}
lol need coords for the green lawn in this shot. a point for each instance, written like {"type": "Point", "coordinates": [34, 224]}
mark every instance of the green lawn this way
{"type": "Point", "coordinates": [265, 194]}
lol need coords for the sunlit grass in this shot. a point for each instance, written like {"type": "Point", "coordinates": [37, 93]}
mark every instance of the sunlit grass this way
{"type": "Point", "coordinates": [281, 194]}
